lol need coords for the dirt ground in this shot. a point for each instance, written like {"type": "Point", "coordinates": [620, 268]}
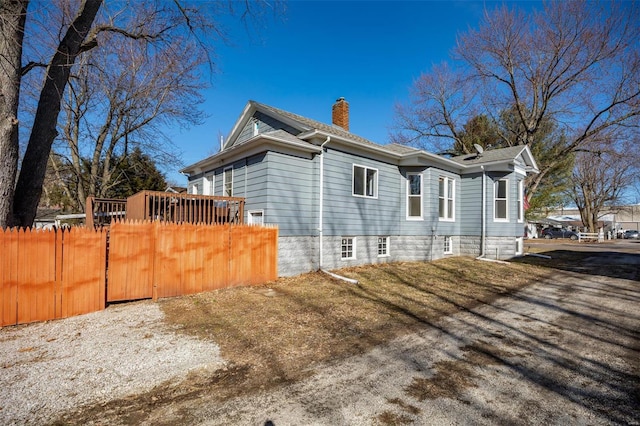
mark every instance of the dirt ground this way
{"type": "Point", "coordinates": [457, 341]}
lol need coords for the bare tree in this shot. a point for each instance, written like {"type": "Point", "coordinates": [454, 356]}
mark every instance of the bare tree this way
{"type": "Point", "coordinates": [600, 177]}
{"type": "Point", "coordinates": [118, 101]}
{"type": "Point", "coordinates": [12, 20]}
{"type": "Point", "coordinates": [73, 29]}
{"type": "Point", "coordinates": [575, 63]}
{"type": "Point", "coordinates": [440, 102]}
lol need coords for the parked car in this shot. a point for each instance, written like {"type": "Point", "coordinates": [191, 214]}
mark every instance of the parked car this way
{"type": "Point", "coordinates": [550, 233]}
{"type": "Point", "coordinates": [631, 233]}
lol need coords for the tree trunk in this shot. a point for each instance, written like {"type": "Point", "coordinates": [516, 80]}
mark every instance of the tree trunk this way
{"type": "Point", "coordinates": [43, 133]}
{"type": "Point", "coordinates": [13, 15]}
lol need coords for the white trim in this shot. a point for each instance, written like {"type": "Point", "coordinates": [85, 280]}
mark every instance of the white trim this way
{"type": "Point", "coordinates": [520, 202]}
{"type": "Point", "coordinates": [353, 248]}
{"type": "Point", "coordinates": [195, 187]}
{"type": "Point", "coordinates": [446, 197]}
{"type": "Point", "coordinates": [387, 244]}
{"type": "Point", "coordinates": [209, 184]}
{"type": "Point", "coordinates": [519, 246]}
{"type": "Point", "coordinates": [506, 200]}
{"type": "Point", "coordinates": [448, 241]}
{"type": "Point", "coordinates": [224, 182]}
{"type": "Point", "coordinates": [250, 218]}
{"type": "Point", "coordinates": [421, 195]}
{"type": "Point", "coordinates": [364, 184]}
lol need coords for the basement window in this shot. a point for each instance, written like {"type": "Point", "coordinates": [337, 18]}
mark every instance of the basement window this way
{"type": "Point", "coordinates": [348, 248]}
{"type": "Point", "coordinates": [383, 246]}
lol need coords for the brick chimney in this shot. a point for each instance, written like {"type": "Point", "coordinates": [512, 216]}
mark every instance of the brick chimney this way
{"type": "Point", "coordinates": [340, 114]}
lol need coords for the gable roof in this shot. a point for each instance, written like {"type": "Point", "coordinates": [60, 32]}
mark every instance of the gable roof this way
{"type": "Point", "coordinates": [309, 134]}
{"type": "Point", "coordinates": [303, 124]}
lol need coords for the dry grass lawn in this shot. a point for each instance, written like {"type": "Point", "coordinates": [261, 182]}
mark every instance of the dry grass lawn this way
{"type": "Point", "coordinates": [275, 334]}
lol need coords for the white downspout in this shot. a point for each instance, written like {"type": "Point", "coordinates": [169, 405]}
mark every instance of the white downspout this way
{"type": "Point", "coordinates": [484, 214]}
{"type": "Point", "coordinates": [321, 203]}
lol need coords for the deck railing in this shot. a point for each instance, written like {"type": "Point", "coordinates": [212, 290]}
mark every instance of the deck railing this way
{"type": "Point", "coordinates": [101, 211]}
{"type": "Point", "coordinates": [166, 207]}
{"type": "Point", "coordinates": [188, 208]}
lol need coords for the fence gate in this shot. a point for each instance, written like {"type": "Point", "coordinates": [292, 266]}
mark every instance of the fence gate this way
{"type": "Point", "coordinates": [130, 261]}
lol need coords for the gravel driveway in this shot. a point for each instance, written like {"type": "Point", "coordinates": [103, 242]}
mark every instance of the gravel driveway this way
{"type": "Point", "coordinates": [49, 368]}
{"type": "Point", "coordinates": [563, 351]}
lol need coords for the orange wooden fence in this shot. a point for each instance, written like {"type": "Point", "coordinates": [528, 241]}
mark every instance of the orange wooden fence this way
{"type": "Point", "coordinates": [56, 274]}
{"type": "Point", "coordinates": [159, 259]}
{"type": "Point", "coordinates": [50, 274]}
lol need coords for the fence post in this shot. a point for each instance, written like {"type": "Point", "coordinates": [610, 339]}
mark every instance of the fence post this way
{"type": "Point", "coordinates": [88, 209]}
{"type": "Point", "coordinates": [154, 263]}
{"type": "Point", "coordinates": [59, 255]}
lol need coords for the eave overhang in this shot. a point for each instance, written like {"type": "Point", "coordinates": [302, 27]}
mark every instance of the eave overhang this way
{"type": "Point", "coordinates": [257, 144]}
{"type": "Point", "coordinates": [414, 159]}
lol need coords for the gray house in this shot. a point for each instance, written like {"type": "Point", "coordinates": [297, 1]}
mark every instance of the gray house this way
{"type": "Point", "coordinates": [341, 200]}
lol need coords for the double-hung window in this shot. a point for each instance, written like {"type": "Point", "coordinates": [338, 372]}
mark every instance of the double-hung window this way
{"type": "Point", "coordinates": [520, 200]}
{"type": "Point", "coordinates": [414, 196]}
{"type": "Point", "coordinates": [227, 179]}
{"type": "Point", "coordinates": [365, 181]}
{"type": "Point", "coordinates": [500, 207]}
{"type": "Point", "coordinates": [446, 198]}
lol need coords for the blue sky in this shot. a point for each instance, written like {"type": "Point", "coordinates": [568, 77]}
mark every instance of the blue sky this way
{"type": "Point", "coordinates": [368, 52]}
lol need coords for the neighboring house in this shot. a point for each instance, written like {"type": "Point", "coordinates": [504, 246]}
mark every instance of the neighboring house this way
{"type": "Point", "coordinates": [341, 200]}
{"type": "Point", "coordinates": [45, 218]}
{"type": "Point", "coordinates": [611, 217]}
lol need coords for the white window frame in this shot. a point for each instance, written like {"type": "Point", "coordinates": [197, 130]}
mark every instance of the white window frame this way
{"type": "Point", "coordinates": [520, 207]}
{"type": "Point", "coordinates": [208, 188]}
{"type": "Point", "coordinates": [409, 196]}
{"type": "Point", "coordinates": [519, 246]}
{"type": "Point", "coordinates": [365, 181]}
{"type": "Point", "coordinates": [225, 173]}
{"type": "Point", "coordinates": [253, 215]}
{"type": "Point", "coordinates": [505, 200]}
{"type": "Point", "coordinates": [448, 245]}
{"type": "Point", "coordinates": [448, 199]}
{"type": "Point", "coordinates": [344, 248]}
{"type": "Point", "coordinates": [383, 243]}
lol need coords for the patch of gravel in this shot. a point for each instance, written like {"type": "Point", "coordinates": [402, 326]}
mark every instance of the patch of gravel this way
{"type": "Point", "coordinates": [52, 367]}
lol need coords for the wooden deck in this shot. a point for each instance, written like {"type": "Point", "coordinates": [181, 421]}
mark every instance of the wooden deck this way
{"type": "Point", "coordinates": [166, 207]}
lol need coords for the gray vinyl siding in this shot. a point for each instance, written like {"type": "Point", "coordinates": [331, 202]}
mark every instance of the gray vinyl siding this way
{"type": "Point", "coordinates": [470, 204]}
{"type": "Point", "coordinates": [256, 186]}
{"type": "Point", "coordinates": [238, 182]}
{"type": "Point", "coordinates": [442, 227]}
{"type": "Point", "coordinates": [346, 214]}
{"type": "Point", "coordinates": [499, 228]}
{"type": "Point", "coordinates": [291, 189]}
{"type": "Point", "coordinates": [414, 226]}
{"type": "Point", "coordinates": [283, 186]}
{"type": "Point", "coordinates": [430, 223]}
